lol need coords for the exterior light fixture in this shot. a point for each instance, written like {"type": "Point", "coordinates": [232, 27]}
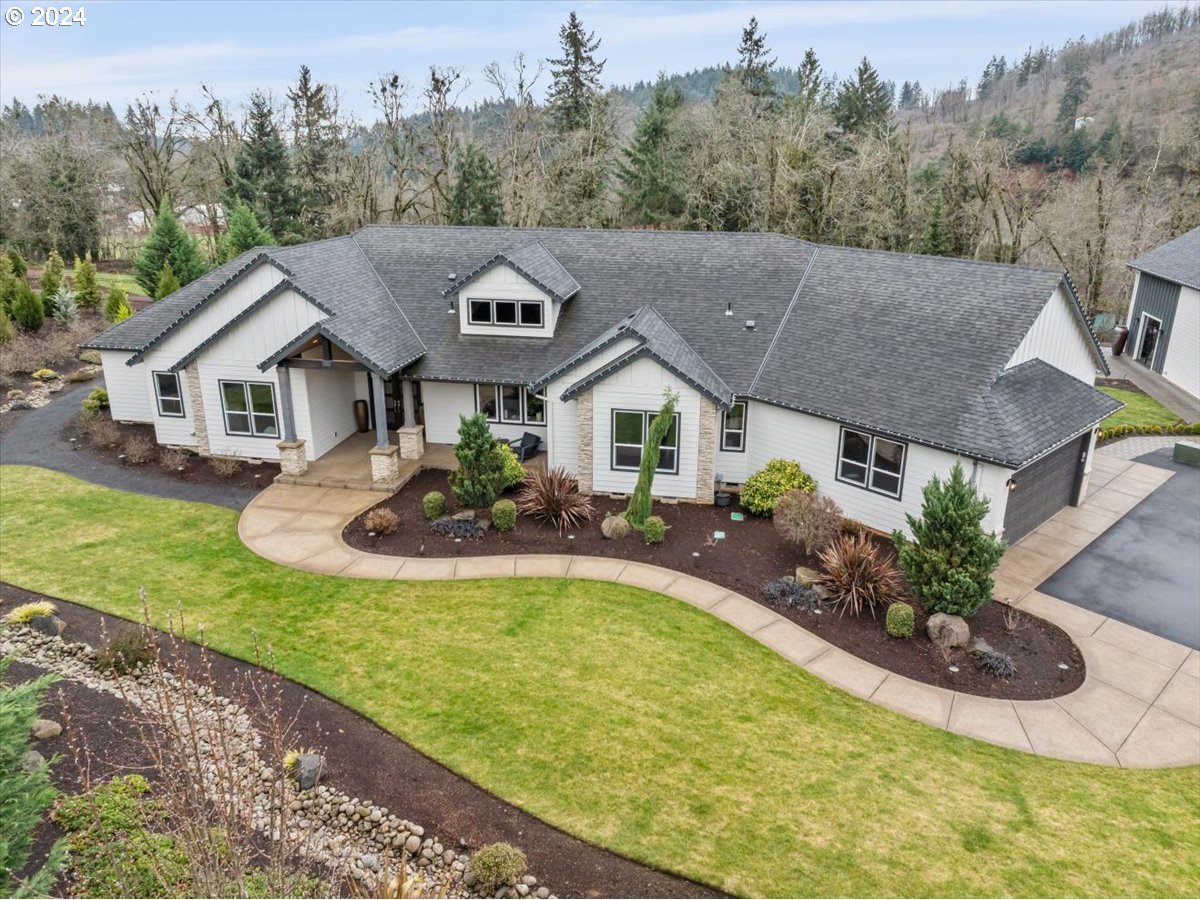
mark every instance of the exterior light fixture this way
{"type": "Point", "coordinates": [1011, 484]}
{"type": "Point", "coordinates": [450, 308]}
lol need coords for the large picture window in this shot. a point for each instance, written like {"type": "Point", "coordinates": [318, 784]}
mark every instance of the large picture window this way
{"type": "Point", "coordinates": [167, 393]}
{"type": "Point", "coordinates": [510, 404]}
{"type": "Point", "coordinates": [506, 313]}
{"type": "Point", "coordinates": [733, 429]}
{"type": "Point", "coordinates": [249, 408]}
{"type": "Point", "coordinates": [871, 462]}
{"type": "Point", "coordinates": [629, 431]}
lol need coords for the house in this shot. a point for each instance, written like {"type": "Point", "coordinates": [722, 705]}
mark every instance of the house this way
{"type": "Point", "coordinates": [1164, 311]}
{"type": "Point", "coordinates": [874, 370]}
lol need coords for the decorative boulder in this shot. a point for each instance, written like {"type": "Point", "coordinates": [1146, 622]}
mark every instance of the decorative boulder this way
{"type": "Point", "coordinates": [806, 577]}
{"type": "Point", "coordinates": [979, 647]}
{"type": "Point", "coordinates": [948, 631]}
{"type": "Point", "coordinates": [308, 770]}
{"type": "Point", "coordinates": [32, 761]}
{"type": "Point", "coordinates": [466, 515]}
{"type": "Point", "coordinates": [615, 527]}
{"type": "Point", "coordinates": [50, 625]}
{"type": "Point", "coordinates": [44, 729]}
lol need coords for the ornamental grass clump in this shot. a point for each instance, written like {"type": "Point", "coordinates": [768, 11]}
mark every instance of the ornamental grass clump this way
{"type": "Point", "coordinates": [553, 496]}
{"type": "Point", "coordinates": [128, 650]}
{"type": "Point", "coordinates": [950, 559]}
{"type": "Point", "coordinates": [497, 865]}
{"type": "Point", "coordinates": [20, 615]}
{"type": "Point", "coordinates": [857, 575]}
{"type": "Point", "coordinates": [763, 490]}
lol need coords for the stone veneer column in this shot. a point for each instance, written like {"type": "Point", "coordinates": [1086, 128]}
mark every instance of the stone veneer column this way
{"type": "Point", "coordinates": [706, 459]}
{"type": "Point", "coordinates": [292, 458]}
{"type": "Point", "coordinates": [385, 466]}
{"type": "Point", "coordinates": [583, 411]}
{"type": "Point", "coordinates": [412, 441]}
{"type": "Point", "coordinates": [196, 401]}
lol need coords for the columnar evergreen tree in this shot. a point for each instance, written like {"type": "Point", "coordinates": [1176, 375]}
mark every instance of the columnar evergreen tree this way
{"type": "Point", "coordinates": [87, 288]}
{"type": "Point", "coordinates": [27, 308]}
{"type": "Point", "coordinates": [652, 173]}
{"type": "Point", "coordinates": [314, 144]}
{"type": "Point", "coordinates": [576, 76]}
{"type": "Point", "coordinates": [244, 233]}
{"type": "Point", "coordinates": [641, 504]}
{"type": "Point", "coordinates": [8, 285]}
{"type": "Point", "coordinates": [167, 242]}
{"type": "Point", "coordinates": [262, 175]}
{"type": "Point", "coordinates": [937, 232]}
{"type": "Point", "coordinates": [475, 197]}
{"type": "Point", "coordinates": [113, 302]}
{"type": "Point", "coordinates": [864, 101]}
{"type": "Point", "coordinates": [167, 282]}
{"type": "Point", "coordinates": [53, 276]}
{"type": "Point", "coordinates": [1075, 91]}
{"type": "Point", "coordinates": [811, 84]}
{"type": "Point", "coordinates": [754, 66]}
{"type": "Point", "coordinates": [19, 267]}
{"type": "Point", "coordinates": [950, 559]}
{"type": "Point", "coordinates": [480, 475]}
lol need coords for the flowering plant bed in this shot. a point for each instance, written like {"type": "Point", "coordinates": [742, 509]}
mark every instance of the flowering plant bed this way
{"type": "Point", "coordinates": [750, 554]}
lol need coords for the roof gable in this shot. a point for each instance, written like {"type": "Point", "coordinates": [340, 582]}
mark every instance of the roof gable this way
{"type": "Point", "coordinates": [532, 262]}
{"type": "Point", "coordinates": [1177, 260]}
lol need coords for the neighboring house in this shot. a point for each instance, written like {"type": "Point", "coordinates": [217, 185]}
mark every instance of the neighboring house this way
{"type": "Point", "coordinates": [1164, 311]}
{"type": "Point", "coordinates": [876, 371]}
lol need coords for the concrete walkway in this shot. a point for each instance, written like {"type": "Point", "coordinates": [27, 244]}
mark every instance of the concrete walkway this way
{"type": "Point", "coordinates": [1139, 705]}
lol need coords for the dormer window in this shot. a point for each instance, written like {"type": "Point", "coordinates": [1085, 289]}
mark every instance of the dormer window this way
{"type": "Point", "coordinates": [506, 313]}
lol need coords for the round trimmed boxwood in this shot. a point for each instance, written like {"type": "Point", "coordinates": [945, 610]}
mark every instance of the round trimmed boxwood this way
{"type": "Point", "coordinates": [655, 530]}
{"type": "Point", "coordinates": [434, 504]}
{"type": "Point", "coordinates": [763, 489]}
{"type": "Point", "coordinates": [899, 620]}
{"type": "Point", "coordinates": [504, 515]}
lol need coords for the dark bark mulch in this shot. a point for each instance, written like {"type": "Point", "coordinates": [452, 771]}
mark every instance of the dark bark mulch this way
{"type": "Point", "coordinates": [362, 760]}
{"type": "Point", "coordinates": [751, 554]}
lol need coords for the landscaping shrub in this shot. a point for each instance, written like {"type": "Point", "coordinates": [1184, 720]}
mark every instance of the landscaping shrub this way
{"type": "Point", "coordinates": [655, 530]}
{"type": "Point", "coordinates": [789, 594]}
{"type": "Point", "coordinates": [950, 560]}
{"type": "Point", "coordinates": [101, 431]}
{"type": "Point", "coordinates": [113, 302]}
{"type": "Point", "coordinates": [997, 664]}
{"type": "Point", "coordinates": [762, 490]}
{"type": "Point", "coordinates": [19, 615]}
{"type": "Point", "coordinates": [19, 267]}
{"type": "Point", "coordinates": [81, 375]}
{"type": "Point", "coordinates": [381, 520]}
{"type": "Point", "coordinates": [91, 357]}
{"type": "Point", "coordinates": [226, 466]}
{"type": "Point", "coordinates": [468, 530]}
{"type": "Point", "coordinates": [641, 504]}
{"type": "Point", "coordinates": [172, 459]}
{"type": "Point", "coordinates": [53, 275]}
{"type": "Point", "coordinates": [27, 308]}
{"type": "Point", "coordinates": [553, 496]}
{"type": "Point", "coordinates": [8, 330]}
{"type": "Point", "coordinates": [857, 574]}
{"type": "Point", "coordinates": [809, 520]}
{"type": "Point", "coordinates": [167, 282]}
{"type": "Point", "coordinates": [45, 375]}
{"type": "Point", "coordinates": [64, 306]}
{"type": "Point", "coordinates": [291, 759]}
{"type": "Point", "coordinates": [513, 471]}
{"type": "Point", "coordinates": [504, 515]}
{"type": "Point", "coordinates": [434, 504]}
{"type": "Point", "coordinates": [139, 450]}
{"type": "Point", "coordinates": [95, 402]}
{"type": "Point", "coordinates": [87, 289]}
{"type": "Point", "coordinates": [495, 866]}
{"type": "Point", "coordinates": [900, 620]}
{"type": "Point", "coordinates": [126, 651]}
{"type": "Point", "coordinates": [480, 474]}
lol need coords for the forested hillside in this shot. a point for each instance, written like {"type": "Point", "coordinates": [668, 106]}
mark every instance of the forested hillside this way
{"type": "Point", "coordinates": [994, 167]}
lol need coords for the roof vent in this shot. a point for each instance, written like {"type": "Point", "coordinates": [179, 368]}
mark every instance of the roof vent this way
{"type": "Point", "coordinates": [749, 324]}
{"type": "Point", "coordinates": [729, 309]}
{"type": "Point", "coordinates": [453, 276]}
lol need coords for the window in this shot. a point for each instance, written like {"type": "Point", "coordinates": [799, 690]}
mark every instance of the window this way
{"type": "Point", "coordinates": [629, 430]}
{"type": "Point", "coordinates": [166, 390]}
{"type": "Point", "coordinates": [249, 408]}
{"type": "Point", "coordinates": [506, 313]}
{"type": "Point", "coordinates": [871, 462]}
{"type": "Point", "coordinates": [510, 404]}
{"type": "Point", "coordinates": [733, 428]}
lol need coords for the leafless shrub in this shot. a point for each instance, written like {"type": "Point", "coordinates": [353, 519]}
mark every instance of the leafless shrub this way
{"type": "Point", "coordinates": [1014, 619]}
{"type": "Point", "coordinates": [172, 459]}
{"type": "Point", "coordinates": [381, 520]}
{"type": "Point", "coordinates": [858, 575]}
{"type": "Point", "coordinates": [553, 496]}
{"type": "Point", "coordinates": [809, 520]}
{"type": "Point", "coordinates": [102, 431]}
{"type": "Point", "coordinates": [53, 347]}
{"type": "Point", "coordinates": [225, 466]}
{"type": "Point", "coordinates": [139, 450]}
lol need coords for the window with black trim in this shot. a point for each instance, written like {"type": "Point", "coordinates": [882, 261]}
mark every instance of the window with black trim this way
{"type": "Point", "coordinates": [168, 395]}
{"type": "Point", "coordinates": [510, 404]}
{"type": "Point", "coordinates": [733, 429]}
{"type": "Point", "coordinates": [871, 462]}
{"type": "Point", "coordinates": [506, 313]}
{"type": "Point", "coordinates": [629, 431]}
{"type": "Point", "coordinates": [249, 408]}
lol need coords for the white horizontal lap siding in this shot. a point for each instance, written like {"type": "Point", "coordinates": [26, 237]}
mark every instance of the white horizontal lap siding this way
{"type": "Point", "coordinates": [1060, 339]}
{"type": "Point", "coordinates": [814, 443]}
{"type": "Point", "coordinates": [1182, 364]}
{"type": "Point", "coordinates": [502, 283]}
{"type": "Point", "coordinates": [640, 386]}
{"type": "Point", "coordinates": [563, 416]}
{"type": "Point", "coordinates": [130, 396]}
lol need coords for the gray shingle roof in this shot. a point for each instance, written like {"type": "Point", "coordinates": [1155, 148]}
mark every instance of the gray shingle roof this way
{"type": "Point", "coordinates": [534, 262]}
{"type": "Point", "coordinates": [1177, 260]}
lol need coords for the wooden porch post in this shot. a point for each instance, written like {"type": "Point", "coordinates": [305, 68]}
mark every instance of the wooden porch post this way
{"type": "Point", "coordinates": [284, 374]}
{"type": "Point", "coordinates": [381, 438]}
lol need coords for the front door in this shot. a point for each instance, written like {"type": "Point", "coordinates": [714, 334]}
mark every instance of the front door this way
{"type": "Point", "coordinates": [1150, 333]}
{"type": "Point", "coordinates": [393, 399]}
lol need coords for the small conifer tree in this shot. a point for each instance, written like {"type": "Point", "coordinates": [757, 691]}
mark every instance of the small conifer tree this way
{"type": "Point", "coordinates": [167, 282]}
{"type": "Point", "coordinates": [114, 301]}
{"type": "Point", "coordinates": [53, 276]}
{"type": "Point", "coordinates": [641, 504]}
{"type": "Point", "coordinates": [20, 269]}
{"type": "Point", "coordinates": [27, 308]}
{"type": "Point", "coordinates": [87, 288]}
{"type": "Point", "coordinates": [167, 243]}
{"type": "Point", "coordinates": [480, 474]}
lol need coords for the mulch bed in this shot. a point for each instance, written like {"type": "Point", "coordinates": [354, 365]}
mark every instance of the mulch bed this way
{"type": "Point", "coordinates": [750, 554]}
{"type": "Point", "coordinates": [195, 469]}
{"type": "Point", "coordinates": [361, 759]}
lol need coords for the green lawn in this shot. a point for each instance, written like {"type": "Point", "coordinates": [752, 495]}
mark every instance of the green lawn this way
{"type": "Point", "coordinates": [109, 280]}
{"type": "Point", "coordinates": [628, 718]}
{"type": "Point", "coordinates": [1140, 409]}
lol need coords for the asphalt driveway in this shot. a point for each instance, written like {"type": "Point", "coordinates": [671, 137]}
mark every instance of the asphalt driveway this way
{"type": "Point", "coordinates": [1145, 570]}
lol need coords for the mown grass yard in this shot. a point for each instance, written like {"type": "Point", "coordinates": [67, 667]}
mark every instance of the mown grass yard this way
{"type": "Point", "coordinates": [1140, 409]}
{"type": "Point", "coordinates": [628, 718]}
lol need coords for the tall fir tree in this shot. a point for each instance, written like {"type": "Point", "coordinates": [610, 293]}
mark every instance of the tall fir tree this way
{"type": "Point", "coordinates": [87, 288]}
{"type": "Point", "coordinates": [53, 277]}
{"type": "Point", "coordinates": [811, 84]}
{"type": "Point", "coordinates": [754, 66]}
{"type": "Point", "coordinates": [993, 72]}
{"type": "Point", "coordinates": [167, 242]}
{"type": "Point", "coordinates": [1075, 91]}
{"type": "Point", "coordinates": [937, 232]}
{"type": "Point", "coordinates": [314, 143]}
{"type": "Point", "coordinates": [244, 233]}
{"type": "Point", "coordinates": [652, 172]}
{"type": "Point", "coordinates": [475, 197]}
{"type": "Point", "coordinates": [863, 102]}
{"type": "Point", "coordinates": [167, 282]}
{"type": "Point", "coordinates": [262, 176]}
{"type": "Point", "coordinates": [576, 76]}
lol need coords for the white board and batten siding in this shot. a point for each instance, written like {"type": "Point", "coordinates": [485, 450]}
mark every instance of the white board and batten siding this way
{"type": "Point", "coordinates": [446, 401]}
{"type": "Point", "coordinates": [502, 283]}
{"type": "Point", "coordinates": [1182, 363]}
{"type": "Point", "coordinates": [130, 395]}
{"type": "Point", "coordinates": [1059, 338]}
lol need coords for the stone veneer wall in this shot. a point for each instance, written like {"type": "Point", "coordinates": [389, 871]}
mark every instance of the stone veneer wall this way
{"type": "Point", "coordinates": [584, 418]}
{"type": "Point", "coordinates": [706, 463]}
{"type": "Point", "coordinates": [199, 422]}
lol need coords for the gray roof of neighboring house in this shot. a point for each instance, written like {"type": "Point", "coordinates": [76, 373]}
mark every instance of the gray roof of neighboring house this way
{"type": "Point", "coordinates": [902, 344]}
{"type": "Point", "coordinates": [1177, 260]}
{"type": "Point", "coordinates": [534, 262]}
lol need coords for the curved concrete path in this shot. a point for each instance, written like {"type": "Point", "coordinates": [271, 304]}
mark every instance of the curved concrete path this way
{"type": "Point", "coordinates": [1139, 705]}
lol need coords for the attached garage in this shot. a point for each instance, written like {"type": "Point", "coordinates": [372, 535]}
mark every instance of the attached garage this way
{"type": "Point", "coordinates": [1044, 487]}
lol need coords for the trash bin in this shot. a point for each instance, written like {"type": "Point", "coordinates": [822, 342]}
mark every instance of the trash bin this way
{"type": "Point", "coordinates": [362, 415]}
{"type": "Point", "coordinates": [1120, 336]}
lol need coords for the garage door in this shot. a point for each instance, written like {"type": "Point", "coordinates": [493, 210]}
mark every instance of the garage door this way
{"type": "Point", "coordinates": [1043, 488]}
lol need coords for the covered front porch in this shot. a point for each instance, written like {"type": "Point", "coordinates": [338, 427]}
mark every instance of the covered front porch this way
{"type": "Point", "coordinates": [349, 465]}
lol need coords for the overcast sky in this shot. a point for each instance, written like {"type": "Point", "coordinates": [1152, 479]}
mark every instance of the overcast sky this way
{"type": "Point", "coordinates": [127, 48]}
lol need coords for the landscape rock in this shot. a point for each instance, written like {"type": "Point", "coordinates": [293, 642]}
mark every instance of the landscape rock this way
{"type": "Point", "coordinates": [465, 515]}
{"type": "Point", "coordinates": [308, 770]}
{"type": "Point", "coordinates": [948, 632]}
{"type": "Point", "coordinates": [50, 625]}
{"type": "Point", "coordinates": [44, 729]}
{"type": "Point", "coordinates": [805, 577]}
{"type": "Point", "coordinates": [31, 761]}
{"type": "Point", "coordinates": [615, 527]}
{"type": "Point", "coordinates": [979, 646]}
